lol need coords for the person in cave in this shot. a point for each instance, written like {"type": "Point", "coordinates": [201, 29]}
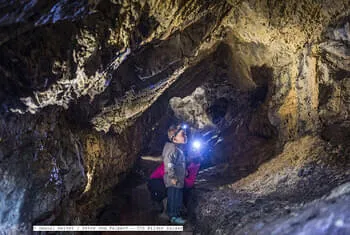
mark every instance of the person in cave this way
{"type": "Point", "coordinates": [174, 172]}
{"type": "Point", "coordinates": [157, 187]}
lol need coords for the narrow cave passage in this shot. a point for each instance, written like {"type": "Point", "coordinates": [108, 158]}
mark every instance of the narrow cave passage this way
{"type": "Point", "coordinates": [247, 178]}
{"type": "Point", "coordinates": [89, 89]}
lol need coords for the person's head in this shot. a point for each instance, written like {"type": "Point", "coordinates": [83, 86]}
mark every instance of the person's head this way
{"type": "Point", "coordinates": [177, 134]}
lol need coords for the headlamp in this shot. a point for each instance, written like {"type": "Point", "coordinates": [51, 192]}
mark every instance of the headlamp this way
{"type": "Point", "coordinates": [180, 127]}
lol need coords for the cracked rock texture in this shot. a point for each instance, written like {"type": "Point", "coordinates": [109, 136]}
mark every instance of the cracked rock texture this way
{"type": "Point", "coordinates": [88, 86]}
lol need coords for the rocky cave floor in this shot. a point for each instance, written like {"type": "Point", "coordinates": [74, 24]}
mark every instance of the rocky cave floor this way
{"type": "Point", "coordinates": [310, 197]}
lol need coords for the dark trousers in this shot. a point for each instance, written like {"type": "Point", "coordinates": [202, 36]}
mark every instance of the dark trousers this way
{"type": "Point", "coordinates": [157, 189]}
{"type": "Point", "coordinates": [174, 201]}
{"type": "Point", "coordinates": [187, 197]}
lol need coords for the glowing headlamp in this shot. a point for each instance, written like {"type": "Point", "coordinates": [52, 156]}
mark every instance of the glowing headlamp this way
{"type": "Point", "coordinates": [181, 127]}
{"type": "Point", "coordinates": [196, 144]}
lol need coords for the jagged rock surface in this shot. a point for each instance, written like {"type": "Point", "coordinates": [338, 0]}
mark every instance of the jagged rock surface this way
{"type": "Point", "coordinates": [88, 85]}
{"type": "Point", "coordinates": [279, 197]}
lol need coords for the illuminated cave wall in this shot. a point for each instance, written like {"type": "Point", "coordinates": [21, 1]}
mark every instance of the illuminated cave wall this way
{"type": "Point", "coordinates": [85, 87]}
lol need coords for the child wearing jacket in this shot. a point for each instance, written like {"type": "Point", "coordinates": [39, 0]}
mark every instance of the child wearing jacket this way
{"type": "Point", "coordinates": [174, 172]}
{"type": "Point", "coordinates": [157, 187]}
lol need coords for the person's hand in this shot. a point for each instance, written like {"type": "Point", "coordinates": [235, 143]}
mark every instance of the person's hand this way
{"type": "Point", "coordinates": [173, 181]}
{"type": "Point", "coordinates": [187, 173]}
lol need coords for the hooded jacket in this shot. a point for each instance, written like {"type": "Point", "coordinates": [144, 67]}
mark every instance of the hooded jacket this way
{"type": "Point", "coordinates": [174, 165]}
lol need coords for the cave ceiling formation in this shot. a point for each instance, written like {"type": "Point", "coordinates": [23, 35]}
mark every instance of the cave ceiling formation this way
{"type": "Point", "coordinates": [87, 85]}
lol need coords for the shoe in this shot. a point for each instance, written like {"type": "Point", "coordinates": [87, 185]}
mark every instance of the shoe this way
{"type": "Point", "coordinates": [177, 220]}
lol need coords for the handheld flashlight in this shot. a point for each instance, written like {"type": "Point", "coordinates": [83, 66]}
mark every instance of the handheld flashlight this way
{"type": "Point", "coordinates": [196, 144]}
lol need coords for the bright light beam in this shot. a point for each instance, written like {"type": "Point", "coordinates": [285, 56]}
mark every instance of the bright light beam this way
{"type": "Point", "coordinates": [196, 144]}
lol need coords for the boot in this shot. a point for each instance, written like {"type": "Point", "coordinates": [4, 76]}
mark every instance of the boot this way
{"type": "Point", "coordinates": [177, 220]}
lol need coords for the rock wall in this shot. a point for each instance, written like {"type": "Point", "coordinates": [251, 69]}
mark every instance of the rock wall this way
{"type": "Point", "coordinates": [41, 164]}
{"type": "Point", "coordinates": [87, 86]}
